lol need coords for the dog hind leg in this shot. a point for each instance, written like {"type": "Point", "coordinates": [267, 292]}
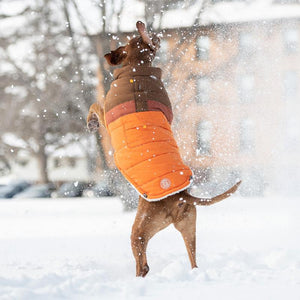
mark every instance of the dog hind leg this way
{"type": "Point", "coordinates": [139, 241]}
{"type": "Point", "coordinates": [186, 225]}
{"type": "Point", "coordinates": [149, 220]}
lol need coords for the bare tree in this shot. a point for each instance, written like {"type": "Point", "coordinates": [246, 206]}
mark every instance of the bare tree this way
{"type": "Point", "coordinates": [47, 92]}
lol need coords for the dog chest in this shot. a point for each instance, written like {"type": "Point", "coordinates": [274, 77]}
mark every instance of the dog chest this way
{"type": "Point", "coordinates": [137, 90]}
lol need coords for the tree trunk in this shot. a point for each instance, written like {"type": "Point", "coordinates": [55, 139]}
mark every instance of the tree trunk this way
{"type": "Point", "coordinates": [43, 165]}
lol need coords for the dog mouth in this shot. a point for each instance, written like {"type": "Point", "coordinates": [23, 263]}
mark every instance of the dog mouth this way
{"type": "Point", "coordinates": [144, 35]}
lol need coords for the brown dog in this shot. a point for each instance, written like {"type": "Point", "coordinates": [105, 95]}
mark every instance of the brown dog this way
{"type": "Point", "coordinates": [179, 209]}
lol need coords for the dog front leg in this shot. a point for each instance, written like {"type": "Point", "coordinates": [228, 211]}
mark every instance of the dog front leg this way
{"type": "Point", "coordinates": [95, 117]}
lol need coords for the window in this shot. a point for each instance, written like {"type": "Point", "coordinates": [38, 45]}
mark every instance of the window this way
{"type": "Point", "coordinates": [22, 162]}
{"type": "Point", "coordinates": [57, 163]}
{"type": "Point", "coordinates": [292, 135]}
{"type": "Point", "coordinates": [216, 1]}
{"type": "Point", "coordinates": [247, 43]}
{"type": "Point", "coordinates": [247, 138]}
{"type": "Point", "coordinates": [203, 45]}
{"type": "Point", "coordinates": [203, 88]}
{"type": "Point", "coordinates": [246, 84]}
{"type": "Point", "coordinates": [291, 40]}
{"type": "Point", "coordinates": [4, 166]}
{"type": "Point", "coordinates": [204, 129]}
{"type": "Point", "coordinates": [286, 1]}
{"type": "Point", "coordinates": [60, 162]}
{"type": "Point", "coordinates": [290, 85]}
{"type": "Point", "coordinates": [72, 162]}
{"type": "Point", "coordinates": [202, 175]}
{"type": "Point", "coordinates": [163, 51]}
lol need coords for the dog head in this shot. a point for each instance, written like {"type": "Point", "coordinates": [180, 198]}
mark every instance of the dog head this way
{"type": "Point", "coordinates": [139, 50]}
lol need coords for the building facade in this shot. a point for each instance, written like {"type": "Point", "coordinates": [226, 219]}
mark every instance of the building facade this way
{"type": "Point", "coordinates": [235, 94]}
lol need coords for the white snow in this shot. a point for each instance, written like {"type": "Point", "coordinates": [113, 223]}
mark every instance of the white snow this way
{"type": "Point", "coordinates": [12, 140]}
{"type": "Point", "coordinates": [247, 248]}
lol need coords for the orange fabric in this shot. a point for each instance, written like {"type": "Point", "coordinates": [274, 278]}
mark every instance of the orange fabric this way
{"type": "Point", "coordinates": [147, 155]}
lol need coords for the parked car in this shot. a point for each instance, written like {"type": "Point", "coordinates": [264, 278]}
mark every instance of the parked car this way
{"type": "Point", "coordinates": [37, 191]}
{"type": "Point", "coordinates": [70, 189]}
{"type": "Point", "coordinates": [100, 189]}
{"type": "Point", "coordinates": [13, 188]}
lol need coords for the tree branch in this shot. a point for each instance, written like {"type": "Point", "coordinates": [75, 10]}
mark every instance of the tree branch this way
{"type": "Point", "coordinates": [23, 12]}
{"type": "Point", "coordinates": [24, 77]}
{"type": "Point", "coordinates": [80, 17]}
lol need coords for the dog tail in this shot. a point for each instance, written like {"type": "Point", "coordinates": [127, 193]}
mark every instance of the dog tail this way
{"type": "Point", "coordinates": [213, 200]}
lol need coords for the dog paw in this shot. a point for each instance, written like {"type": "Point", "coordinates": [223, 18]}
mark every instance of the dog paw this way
{"type": "Point", "coordinates": [144, 271]}
{"type": "Point", "coordinates": [93, 124]}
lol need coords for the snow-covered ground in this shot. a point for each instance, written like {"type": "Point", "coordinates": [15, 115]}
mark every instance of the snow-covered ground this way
{"type": "Point", "coordinates": [247, 248]}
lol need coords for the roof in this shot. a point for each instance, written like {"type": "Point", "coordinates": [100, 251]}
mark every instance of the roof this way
{"type": "Point", "coordinates": [213, 13]}
{"type": "Point", "coordinates": [217, 13]}
{"type": "Point", "coordinates": [258, 10]}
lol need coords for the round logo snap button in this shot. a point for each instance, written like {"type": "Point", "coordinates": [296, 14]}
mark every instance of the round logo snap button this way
{"type": "Point", "coordinates": [165, 183]}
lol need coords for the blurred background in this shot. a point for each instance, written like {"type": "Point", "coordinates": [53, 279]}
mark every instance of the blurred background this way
{"type": "Point", "coordinates": [232, 70]}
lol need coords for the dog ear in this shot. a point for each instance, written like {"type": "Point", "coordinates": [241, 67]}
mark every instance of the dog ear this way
{"type": "Point", "coordinates": [116, 57]}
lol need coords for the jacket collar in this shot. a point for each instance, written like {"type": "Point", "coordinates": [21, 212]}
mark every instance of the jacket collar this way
{"type": "Point", "coordinates": [130, 71]}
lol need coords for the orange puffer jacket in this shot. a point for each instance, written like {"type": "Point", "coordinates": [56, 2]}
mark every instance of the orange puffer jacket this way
{"type": "Point", "coordinates": [138, 114]}
{"type": "Point", "coordinates": [147, 155]}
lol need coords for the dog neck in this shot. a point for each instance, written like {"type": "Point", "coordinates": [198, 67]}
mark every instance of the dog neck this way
{"type": "Point", "coordinates": [132, 71]}
{"type": "Point", "coordinates": [140, 63]}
